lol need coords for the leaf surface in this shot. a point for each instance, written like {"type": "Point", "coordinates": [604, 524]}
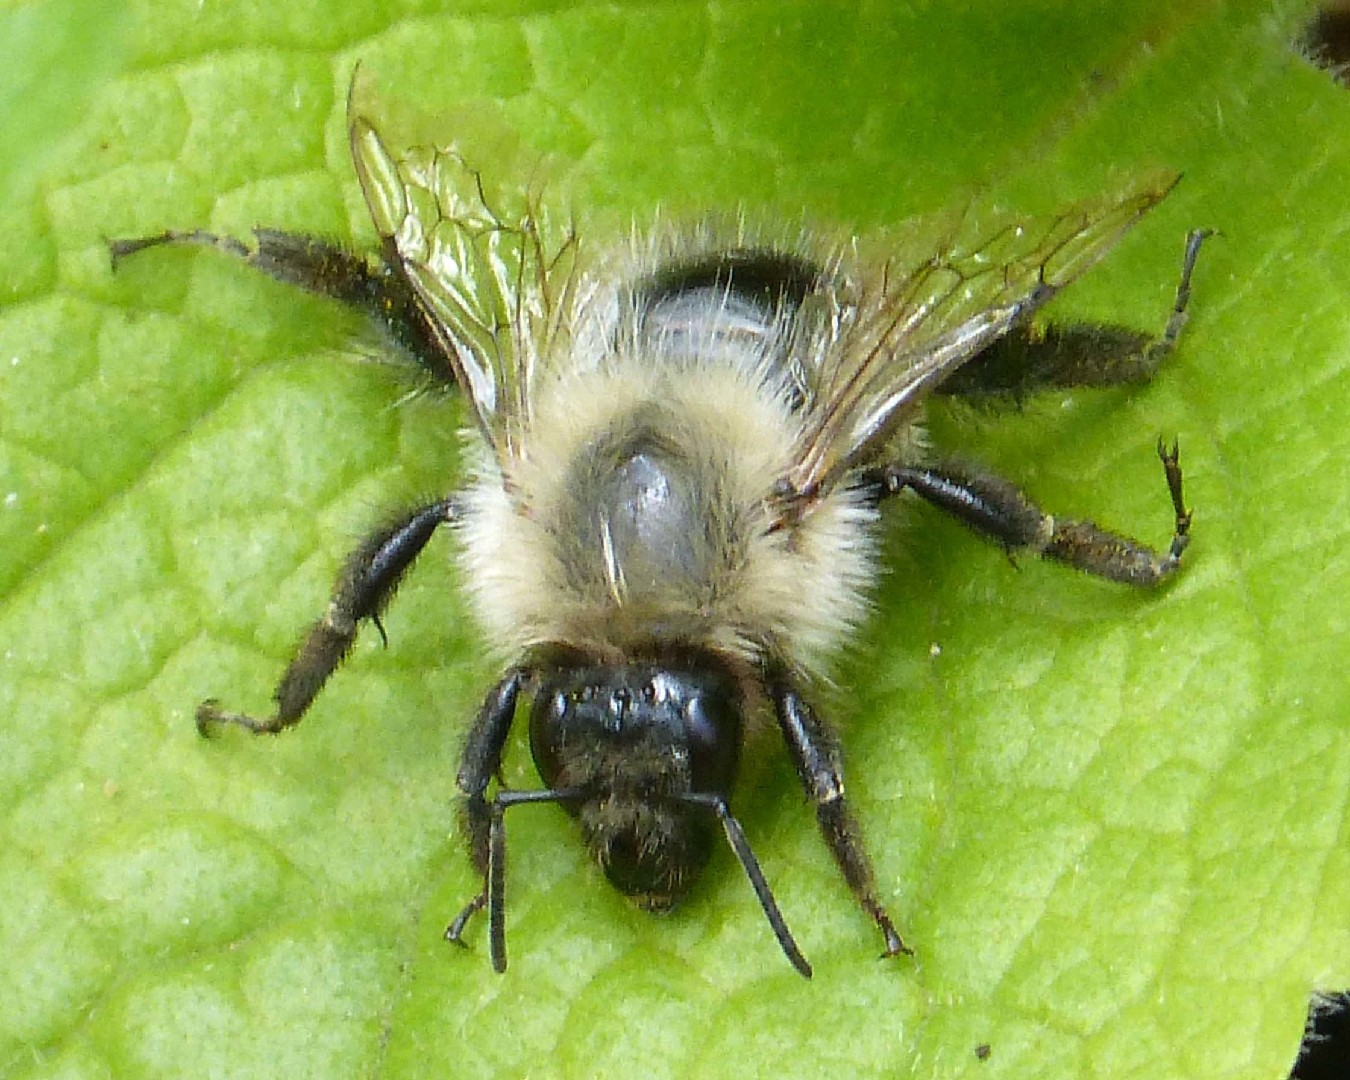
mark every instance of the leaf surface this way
{"type": "Point", "coordinates": [1113, 826]}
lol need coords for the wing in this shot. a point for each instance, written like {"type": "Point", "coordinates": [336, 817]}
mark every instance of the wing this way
{"type": "Point", "coordinates": [905, 333]}
{"type": "Point", "coordinates": [494, 286]}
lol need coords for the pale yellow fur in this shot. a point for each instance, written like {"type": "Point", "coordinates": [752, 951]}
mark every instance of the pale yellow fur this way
{"type": "Point", "coordinates": [798, 590]}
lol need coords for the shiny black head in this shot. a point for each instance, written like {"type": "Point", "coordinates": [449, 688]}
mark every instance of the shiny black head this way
{"type": "Point", "coordinates": [637, 742]}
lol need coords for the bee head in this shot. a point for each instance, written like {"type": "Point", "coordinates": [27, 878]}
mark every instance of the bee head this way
{"type": "Point", "coordinates": [637, 741]}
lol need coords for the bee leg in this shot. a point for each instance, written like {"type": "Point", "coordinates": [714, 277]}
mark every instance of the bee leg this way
{"type": "Point", "coordinates": [816, 753]}
{"type": "Point", "coordinates": [383, 293]}
{"type": "Point", "coordinates": [479, 762]}
{"type": "Point", "coordinates": [1031, 358]}
{"type": "Point", "coordinates": [483, 823]}
{"type": "Point", "coordinates": [995, 508]}
{"type": "Point", "coordinates": [364, 587]}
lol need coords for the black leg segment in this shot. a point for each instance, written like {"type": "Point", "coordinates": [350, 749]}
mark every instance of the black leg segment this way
{"type": "Point", "coordinates": [364, 588]}
{"type": "Point", "coordinates": [382, 292]}
{"type": "Point", "coordinates": [1032, 358]}
{"type": "Point", "coordinates": [485, 822]}
{"type": "Point", "coordinates": [997, 509]}
{"type": "Point", "coordinates": [815, 751]}
{"type": "Point", "coordinates": [481, 759]}
{"type": "Point", "coordinates": [478, 764]}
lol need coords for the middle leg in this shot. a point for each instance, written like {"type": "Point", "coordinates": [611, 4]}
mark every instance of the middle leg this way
{"type": "Point", "coordinates": [995, 508]}
{"type": "Point", "coordinates": [364, 588]}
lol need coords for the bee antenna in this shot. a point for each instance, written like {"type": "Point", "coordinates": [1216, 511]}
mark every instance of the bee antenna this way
{"type": "Point", "coordinates": [496, 868]}
{"type": "Point", "coordinates": [741, 846]}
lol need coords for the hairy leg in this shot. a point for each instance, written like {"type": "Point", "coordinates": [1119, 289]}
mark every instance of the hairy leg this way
{"type": "Point", "coordinates": [381, 292]}
{"type": "Point", "coordinates": [816, 753]}
{"type": "Point", "coordinates": [364, 588]}
{"type": "Point", "coordinates": [994, 508]}
{"type": "Point", "coordinates": [1032, 358]}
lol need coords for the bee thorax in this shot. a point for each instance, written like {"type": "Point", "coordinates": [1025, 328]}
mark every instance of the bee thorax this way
{"type": "Point", "coordinates": [647, 519]}
{"type": "Point", "coordinates": [634, 521]}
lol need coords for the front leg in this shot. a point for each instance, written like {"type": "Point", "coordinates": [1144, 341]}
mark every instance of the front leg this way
{"type": "Point", "coordinates": [815, 751]}
{"type": "Point", "coordinates": [364, 588]}
{"type": "Point", "coordinates": [480, 761]}
{"type": "Point", "coordinates": [482, 821]}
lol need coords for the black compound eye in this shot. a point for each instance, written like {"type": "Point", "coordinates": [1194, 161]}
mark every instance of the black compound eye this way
{"type": "Point", "coordinates": [710, 716]}
{"type": "Point", "coordinates": [703, 721]}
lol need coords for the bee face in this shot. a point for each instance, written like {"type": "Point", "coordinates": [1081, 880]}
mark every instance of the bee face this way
{"type": "Point", "coordinates": [631, 743]}
{"type": "Point", "coordinates": [681, 451]}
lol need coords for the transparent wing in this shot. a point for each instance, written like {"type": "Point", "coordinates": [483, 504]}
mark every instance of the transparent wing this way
{"type": "Point", "coordinates": [906, 332]}
{"type": "Point", "coordinates": [492, 283]}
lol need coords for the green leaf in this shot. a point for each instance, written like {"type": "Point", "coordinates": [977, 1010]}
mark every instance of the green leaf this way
{"type": "Point", "coordinates": [1113, 826]}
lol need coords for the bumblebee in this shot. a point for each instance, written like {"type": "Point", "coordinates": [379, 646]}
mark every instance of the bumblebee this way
{"type": "Point", "coordinates": [681, 448]}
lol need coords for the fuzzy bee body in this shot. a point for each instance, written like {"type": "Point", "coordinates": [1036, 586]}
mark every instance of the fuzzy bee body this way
{"type": "Point", "coordinates": [634, 529]}
{"type": "Point", "coordinates": [638, 510]}
{"type": "Point", "coordinates": [669, 513]}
